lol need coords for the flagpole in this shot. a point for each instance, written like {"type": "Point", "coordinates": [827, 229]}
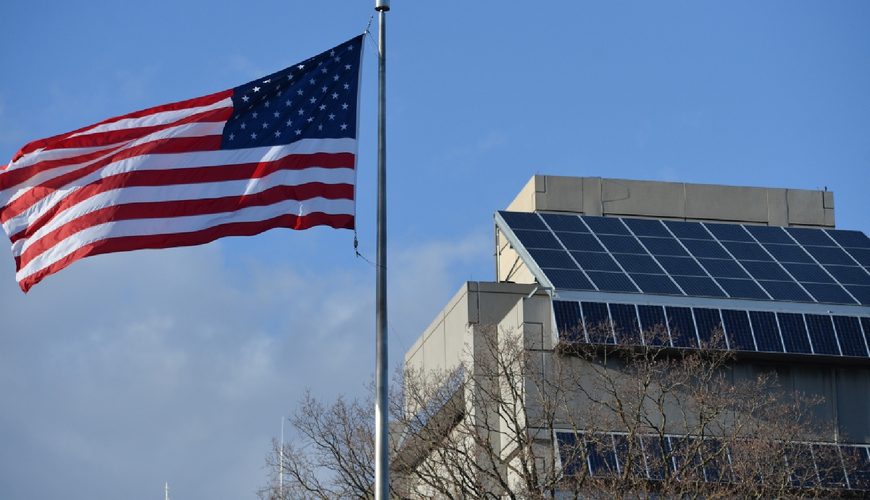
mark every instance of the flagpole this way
{"type": "Point", "coordinates": [382, 458]}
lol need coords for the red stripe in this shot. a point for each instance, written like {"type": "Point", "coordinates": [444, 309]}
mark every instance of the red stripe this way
{"type": "Point", "coordinates": [172, 145]}
{"type": "Point", "coordinates": [21, 175]}
{"type": "Point", "coordinates": [189, 239]}
{"type": "Point", "coordinates": [169, 209]}
{"type": "Point", "coordinates": [187, 104]}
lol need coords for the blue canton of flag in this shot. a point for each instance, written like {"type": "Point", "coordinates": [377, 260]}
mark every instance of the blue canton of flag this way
{"type": "Point", "coordinates": [315, 99]}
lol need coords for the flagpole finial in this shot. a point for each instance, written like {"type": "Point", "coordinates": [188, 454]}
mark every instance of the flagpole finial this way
{"type": "Point", "coordinates": [382, 5]}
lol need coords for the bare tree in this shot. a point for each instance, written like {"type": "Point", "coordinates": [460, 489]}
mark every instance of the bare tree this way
{"type": "Point", "coordinates": [586, 420]}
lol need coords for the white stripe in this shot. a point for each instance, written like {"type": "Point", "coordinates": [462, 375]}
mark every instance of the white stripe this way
{"type": "Point", "coordinates": [186, 192]}
{"type": "Point", "coordinates": [140, 227]}
{"type": "Point", "coordinates": [156, 119]}
{"type": "Point", "coordinates": [179, 160]}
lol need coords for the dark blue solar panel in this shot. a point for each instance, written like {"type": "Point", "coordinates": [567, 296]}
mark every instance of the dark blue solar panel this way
{"type": "Point", "coordinates": [690, 230]}
{"type": "Point", "coordinates": [706, 249]}
{"type": "Point", "coordinates": [580, 241]}
{"type": "Point", "coordinates": [601, 456]}
{"type": "Point", "coordinates": [822, 334]}
{"type": "Point", "coordinates": [699, 287]}
{"type": "Point", "coordinates": [746, 251]}
{"type": "Point", "coordinates": [553, 259]}
{"type": "Point", "coordinates": [862, 293]}
{"type": "Point", "coordinates": [652, 323]}
{"type": "Point", "coordinates": [765, 330]}
{"type": "Point", "coordinates": [861, 255]}
{"type": "Point", "coordinates": [682, 326]}
{"type": "Point", "coordinates": [814, 237]}
{"type": "Point", "coordinates": [645, 227]}
{"type": "Point", "coordinates": [596, 319]}
{"type": "Point", "coordinates": [721, 268]}
{"type": "Point", "coordinates": [857, 466]}
{"type": "Point", "coordinates": [831, 255]}
{"type": "Point", "coordinates": [685, 453]}
{"type": "Point", "coordinates": [567, 279]}
{"type": "Point", "coordinates": [630, 459]}
{"type": "Point", "coordinates": [803, 471]}
{"type": "Point", "coordinates": [709, 327]}
{"type": "Point", "coordinates": [655, 283]}
{"type": "Point", "coordinates": [621, 244]}
{"type": "Point", "coordinates": [769, 234]}
{"type": "Point", "coordinates": [625, 325]}
{"type": "Point", "coordinates": [537, 239]}
{"type": "Point", "coordinates": [829, 466]}
{"type": "Point", "coordinates": [611, 282]}
{"type": "Point", "coordinates": [729, 232]}
{"type": "Point", "coordinates": [684, 266]}
{"type": "Point", "coordinates": [606, 225]}
{"type": "Point", "coordinates": [593, 261]}
{"type": "Point", "coordinates": [834, 294]}
{"type": "Point", "coordinates": [567, 223]}
{"type": "Point", "coordinates": [737, 329]}
{"type": "Point", "coordinates": [742, 289]}
{"type": "Point", "coordinates": [523, 220]}
{"type": "Point", "coordinates": [571, 454]}
{"type": "Point", "coordinates": [638, 263]}
{"type": "Point", "coordinates": [789, 253]}
{"type": "Point", "coordinates": [812, 273]}
{"type": "Point", "coordinates": [794, 333]}
{"type": "Point", "coordinates": [657, 454]}
{"type": "Point", "coordinates": [850, 239]}
{"type": "Point", "coordinates": [849, 275]}
{"type": "Point", "coordinates": [766, 271]}
{"type": "Point", "coordinates": [785, 290]}
{"type": "Point", "coordinates": [851, 339]}
{"type": "Point", "coordinates": [568, 321]}
{"type": "Point", "coordinates": [664, 246]}
{"type": "Point", "coordinates": [717, 468]}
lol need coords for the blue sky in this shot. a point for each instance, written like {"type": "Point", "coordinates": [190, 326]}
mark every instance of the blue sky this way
{"type": "Point", "coordinates": [126, 371]}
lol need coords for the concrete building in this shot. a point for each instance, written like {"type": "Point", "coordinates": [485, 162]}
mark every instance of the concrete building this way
{"type": "Point", "coordinates": [765, 266]}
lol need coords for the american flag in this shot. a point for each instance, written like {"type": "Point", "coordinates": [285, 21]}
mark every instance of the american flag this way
{"type": "Point", "coordinates": [279, 151]}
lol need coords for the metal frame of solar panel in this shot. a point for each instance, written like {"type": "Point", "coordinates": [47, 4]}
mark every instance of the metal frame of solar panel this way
{"type": "Point", "coordinates": [742, 330]}
{"type": "Point", "coordinates": [605, 452]}
{"type": "Point", "coordinates": [694, 259]}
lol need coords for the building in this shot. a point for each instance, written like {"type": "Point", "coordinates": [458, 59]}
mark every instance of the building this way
{"type": "Point", "coordinates": [764, 267]}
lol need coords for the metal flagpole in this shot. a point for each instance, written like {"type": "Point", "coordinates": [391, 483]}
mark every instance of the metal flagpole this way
{"type": "Point", "coordinates": [382, 457]}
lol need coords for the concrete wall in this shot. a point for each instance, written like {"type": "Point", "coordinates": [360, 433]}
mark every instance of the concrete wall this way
{"type": "Point", "coordinates": [676, 200]}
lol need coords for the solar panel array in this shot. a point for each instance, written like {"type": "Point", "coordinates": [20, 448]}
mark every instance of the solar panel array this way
{"type": "Point", "coordinates": [699, 259]}
{"type": "Point", "coordinates": [607, 454]}
{"type": "Point", "coordinates": [691, 327]}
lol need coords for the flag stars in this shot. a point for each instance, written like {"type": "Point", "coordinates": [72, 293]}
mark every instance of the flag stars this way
{"type": "Point", "coordinates": [322, 107]}
{"type": "Point", "coordinates": [276, 114]}
{"type": "Point", "coordinates": [335, 78]}
{"type": "Point", "coordinates": [253, 135]}
{"type": "Point", "coordinates": [266, 104]}
{"type": "Point", "coordinates": [298, 132]}
{"type": "Point", "coordinates": [299, 92]}
{"type": "Point", "coordinates": [254, 115]}
{"type": "Point", "coordinates": [347, 66]}
{"type": "Point", "coordinates": [320, 127]}
{"type": "Point", "coordinates": [346, 86]}
{"type": "Point", "coordinates": [313, 100]}
{"type": "Point", "coordinates": [344, 126]}
{"type": "Point", "coordinates": [311, 81]}
{"type": "Point", "coordinates": [267, 81]}
{"type": "Point", "coordinates": [324, 88]}
{"type": "Point", "coordinates": [331, 116]}
{"type": "Point", "coordinates": [301, 66]}
{"type": "Point", "coordinates": [310, 119]}
{"type": "Point", "coordinates": [301, 112]}
{"type": "Point", "coordinates": [265, 124]}
{"type": "Point", "coordinates": [289, 122]}
{"type": "Point", "coordinates": [323, 70]}
{"type": "Point", "coordinates": [243, 126]}
{"type": "Point", "coordinates": [335, 95]}
{"type": "Point", "coordinates": [277, 134]}
{"type": "Point", "coordinates": [245, 98]}
{"type": "Point", "coordinates": [344, 106]}
{"type": "Point", "coordinates": [288, 102]}
{"type": "Point", "coordinates": [232, 136]}
{"type": "Point", "coordinates": [256, 89]}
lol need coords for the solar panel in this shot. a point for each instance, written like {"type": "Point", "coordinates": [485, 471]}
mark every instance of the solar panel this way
{"type": "Point", "coordinates": [606, 225]}
{"type": "Point", "coordinates": [568, 320]}
{"type": "Point", "coordinates": [646, 227]}
{"type": "Point", "coordinates": [858, 469]}
{"type": "Point", "coordinates": [794, 333]}
{"type": "Point", "coordinates": [652, 323]}
{"type": "Point", "coordinates": [729, 232]}
{"type": "Point", "coordinates": [785, 290]}
{"type": "Point", "coordinates": [737, 330]}
{"type": "Point", "coordinates": [596, 320]}
{"type": "Point", "coordinates": [681, 326]}
{"type": "Point", "coordinates": [742, 289]}
{"type": "Point", "coordinates": [709, 323]}
{"type": "Point", "coordinates": [852, 340]}
{"type": "Point", "coordinates": [553, 259]}
{"type": "Point", "coordinates": [766, 331]}
{"type": "Point", "coordinates": [580, 241]}
{"type": "Point", "coordinates": [624, 317]}
{"type": "Point", "coordinates": [663, 246]}
{"type": "Point", "coordinates": [601, 455]}
{"type": "Point", "coordinates": [567, 223]}
{"type": "Point", "coordinates": [612, 282]}
{"type": "Point", "coordinates": [638, 263]}
{"type": "Point", "coordinates": [822, 334]}
{"type": "Point", "coordinates": [829, 466]}
{"type": "Point", "coordinates": [683, 266]}
{"type": "Point", "coordinates": [741, 261]}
